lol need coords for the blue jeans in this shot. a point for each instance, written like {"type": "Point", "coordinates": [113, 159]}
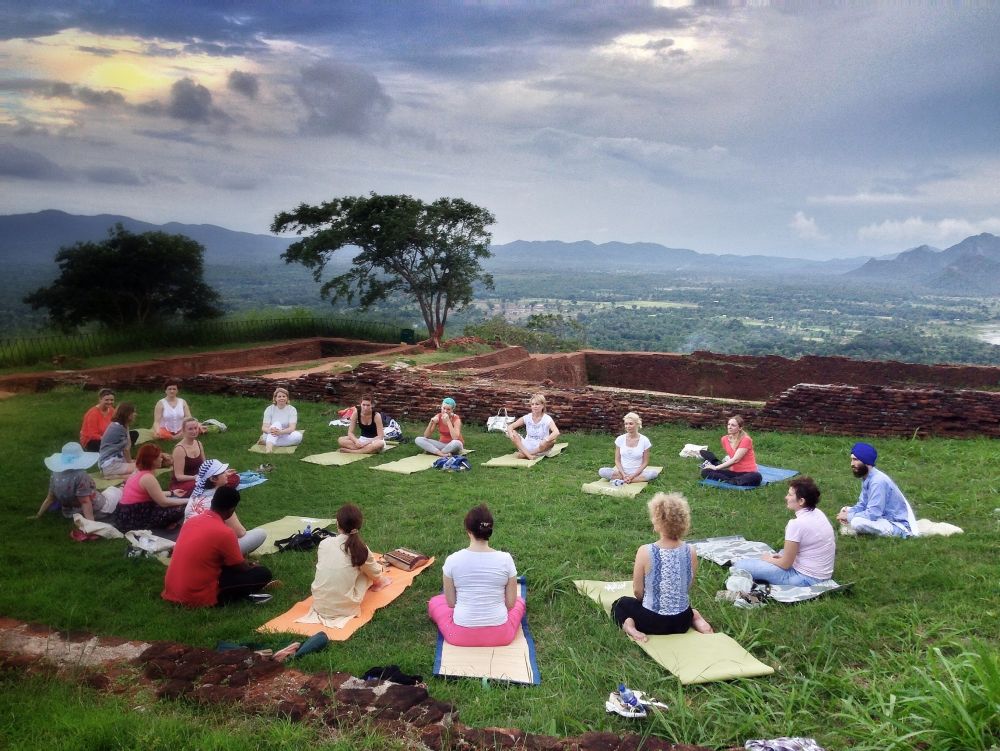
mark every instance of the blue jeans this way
{"type": "Point", "coordinates": [768, 572]}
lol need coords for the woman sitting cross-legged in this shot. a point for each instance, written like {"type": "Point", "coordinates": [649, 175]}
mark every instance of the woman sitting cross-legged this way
{"type": "Point", "coordinates": [479, 606]}
{"type": "Point", "coordinates": [449, 428]}
{"type": "Point", "coordinates": [662, 576]}
{"type": "Point", "coordinates": [170, 412]}
{"type": "Point", "coordinates": [213, 475]}
{"type": "Point", "coordinates": [540, 431]}
{"type": "Point", "coordinates": [280, 422]}
{"type": "Point", "coordinates": [631, 455]}
{"type": "Point", "coordinates": [371, 431]}
{"type": "Point", "coordinates": [188, 456]}
{"type": "Point", "coordinates": [810, 544]}
{"type": "Point", "coordinates": [345, 568]}
{"type": "Point", "coordinates": [144, 505]}
{"type": "Point", "coordinates": [115, 454]}
{"type": "Point", "coordinates": [740, 465]}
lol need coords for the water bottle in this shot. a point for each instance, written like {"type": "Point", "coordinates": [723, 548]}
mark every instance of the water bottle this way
{"type": "Point", "coordinates": [626, 695]}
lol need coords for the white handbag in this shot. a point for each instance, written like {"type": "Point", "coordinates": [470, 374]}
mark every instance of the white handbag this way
{"type": "Point", "coordinates": [498, 423]}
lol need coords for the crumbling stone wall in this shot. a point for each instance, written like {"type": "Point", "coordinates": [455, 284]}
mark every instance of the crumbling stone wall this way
{"type": "Point", "coordinates": [415, 396]}
{"type": "Point", "coordinates": [882, 411]}
{"type": "Point", "coordinates": [746, 377]}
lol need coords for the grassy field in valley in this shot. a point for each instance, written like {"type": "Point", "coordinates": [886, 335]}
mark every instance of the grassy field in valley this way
{"type": "Point", "coordinates": [908, 659]}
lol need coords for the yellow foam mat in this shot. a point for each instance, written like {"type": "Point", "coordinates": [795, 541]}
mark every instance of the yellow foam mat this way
{"type": "Point", "coordinates": [516, 460]}
{"type": "Point", "coordinates": [603, 487]}
{"type": "Point", "coordinates": [692, 657]}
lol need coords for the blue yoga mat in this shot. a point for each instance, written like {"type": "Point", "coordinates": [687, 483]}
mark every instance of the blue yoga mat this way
{"type": "Point", "coordinates": [767, 474]}
{"type": "Point", "coordinates": [250, 479]}
{"type": "Point", "coordinates": [535, 677]}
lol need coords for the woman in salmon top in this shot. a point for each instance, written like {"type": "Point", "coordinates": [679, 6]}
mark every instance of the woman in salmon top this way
{"type": "Point", "coordinates": [740, 465]}
{"type": "Point", "coordinates": [449, 429]}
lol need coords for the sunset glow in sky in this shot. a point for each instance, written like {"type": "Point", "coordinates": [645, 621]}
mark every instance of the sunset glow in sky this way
{"type": "Point", "coordinates": [802, 129]}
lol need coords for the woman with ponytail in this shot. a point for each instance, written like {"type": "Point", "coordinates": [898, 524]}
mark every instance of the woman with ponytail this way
{"type": "Point", "coordinates": [345, 568]}
{"type": "Point", "coordinates": [479, 606]}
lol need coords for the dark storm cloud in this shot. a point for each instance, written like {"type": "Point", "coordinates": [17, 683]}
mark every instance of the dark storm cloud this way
{"type": "Point", "coordinates": [29, 165]}
{"type": "Point", "coordinates": [462, 40]}
{"type": "Point", "coordinates": [246, 84]}
{"type": "Point", "coordinates": [63, 90]}
{"type": "Point", "coordinates": [341, 98]}
{"type": "Point", "coordinates": [190, 101]}
{"type": "Point", "coordinates": [99, 51]}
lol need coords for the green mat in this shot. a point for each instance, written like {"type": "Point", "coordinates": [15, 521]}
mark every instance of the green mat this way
{"type": "Point", "coordinates": [692, 657]}
{"type": "Point", "coordinates": [285, 527]}
{"type": "Point", "coordinates": [516, 460]}
{"type": "Point", "coordinates": [145, 435]}
{"type": "Point", "coordinates": [411, 464]}
{"type": "Point", "coordinates": [604, 487]}
{"type": "Point", "coordinates": [258, 448]}
{"type": "Point", "coordinates": [340, 458]}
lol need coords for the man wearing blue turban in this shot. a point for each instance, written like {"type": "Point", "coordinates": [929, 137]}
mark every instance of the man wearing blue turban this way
{"type": "Point", "coordinates": [882, 509]}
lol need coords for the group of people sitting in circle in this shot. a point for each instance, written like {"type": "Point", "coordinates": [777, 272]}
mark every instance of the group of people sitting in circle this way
{"type": "Point", "coordinates": [479, 605]}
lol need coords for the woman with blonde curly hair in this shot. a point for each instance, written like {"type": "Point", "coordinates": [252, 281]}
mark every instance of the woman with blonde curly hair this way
{"type": "Point", "coordinates": [661, 577]}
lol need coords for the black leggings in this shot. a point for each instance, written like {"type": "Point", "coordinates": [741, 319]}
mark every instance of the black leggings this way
{"type": "Point", "coordinates": [649, 621]}
{"type": "Point", "coordinates": [235, 582]}
{"type": "Point", "coordinates": [748, 479]}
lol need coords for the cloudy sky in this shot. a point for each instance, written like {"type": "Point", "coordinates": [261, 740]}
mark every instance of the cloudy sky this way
{"type": "Point", "coordinates": [800, 128]}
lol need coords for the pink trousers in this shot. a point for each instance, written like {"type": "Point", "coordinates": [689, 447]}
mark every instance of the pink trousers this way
{"type": "Point", "coordinates": [474, 636]}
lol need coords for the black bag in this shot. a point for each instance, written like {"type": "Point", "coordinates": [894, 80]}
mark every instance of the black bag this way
{"type": "Point", "coordinates": [303, 541]}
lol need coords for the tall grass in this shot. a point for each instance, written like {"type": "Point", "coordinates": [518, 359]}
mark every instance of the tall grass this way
{"type": "Point", "coordinates": [24, 351]}
{"type": "Point", "coordinates": [906, 659]}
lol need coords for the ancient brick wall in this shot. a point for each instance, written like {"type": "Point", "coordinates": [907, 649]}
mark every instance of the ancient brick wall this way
{"type": "Point", "coordinates": [502, 356]}
{"type": "Point", "coordinates": [745, 377]}
{"type": "Point", "coordinates": [882, 411]}
{"type": "Point", "coordinates": [203, 362]}
{"type": "Point", "coordinates": [414, 396]}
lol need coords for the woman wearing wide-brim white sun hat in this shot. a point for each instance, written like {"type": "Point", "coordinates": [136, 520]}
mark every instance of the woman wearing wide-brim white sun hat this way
{"type": "Point", "coordinates": [73, 489]}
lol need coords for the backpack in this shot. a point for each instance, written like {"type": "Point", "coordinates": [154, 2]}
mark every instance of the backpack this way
{"type": "Point", "coordinates": [303, 541]}
{"type": "Point", "coordinates": [392, 430]}
{"type": "Point", "coordinates": [457, 463]}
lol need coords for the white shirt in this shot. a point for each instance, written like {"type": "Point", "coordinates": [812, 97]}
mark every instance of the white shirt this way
{"type": "Point", "coordinates": [480, 583]}
{"type": "Point", "coordinates": [537, 430]}
{"type": "Point", "coordinates": [632, 457]}
{"type": "Point", "coordinates": [283, 417]}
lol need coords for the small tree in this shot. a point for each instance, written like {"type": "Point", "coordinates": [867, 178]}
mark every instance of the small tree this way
{"type": "Point", "coordinates": [128, 280]}
{"type": "Point", "coordinates": [430, 252]}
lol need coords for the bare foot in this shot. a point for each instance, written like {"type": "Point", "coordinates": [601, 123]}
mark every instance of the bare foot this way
{"type": "Point", "coordinates": [700, 624]}
{"type": "Point", "coordinates": [381, 583]}
{"type": "Point", "coordinates": [632, 632]}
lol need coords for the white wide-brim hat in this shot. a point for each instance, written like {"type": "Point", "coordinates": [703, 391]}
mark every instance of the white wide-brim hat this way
{"type": "Point", "coordinates": [72, 456]}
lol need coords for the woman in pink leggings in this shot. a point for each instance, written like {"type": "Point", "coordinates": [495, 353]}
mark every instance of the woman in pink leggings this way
{"type": "Point", "coordinates": [479, 606]}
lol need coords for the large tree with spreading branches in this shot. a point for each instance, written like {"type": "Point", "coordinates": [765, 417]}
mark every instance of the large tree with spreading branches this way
{"type": "Point", "coordinates": [430, 252]}
{"type": "Point", "coordinates": [128, 280]}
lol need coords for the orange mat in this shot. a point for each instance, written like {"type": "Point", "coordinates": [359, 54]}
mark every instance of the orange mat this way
{"type": "Point", "coordinates": [371, 602]}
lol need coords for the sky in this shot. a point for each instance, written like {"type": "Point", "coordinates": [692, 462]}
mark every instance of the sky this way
{"type": "Point", "coordinates": [806, 129]}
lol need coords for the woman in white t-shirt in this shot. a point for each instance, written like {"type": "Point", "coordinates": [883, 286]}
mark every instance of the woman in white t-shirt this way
{"type": "Point", "coordinates": [631, 455]}
{"type": "Point", "coordinates": [280, 420]}
{"type": "Point", "coordinates": [479, 606]}
{"type": "Point", "coordinates": [170, 412]}
{"type": "Point", "coordinates": [540, 431]}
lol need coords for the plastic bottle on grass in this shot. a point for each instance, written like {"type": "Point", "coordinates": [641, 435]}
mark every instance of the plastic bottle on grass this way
{"type": "Point", "coordinates": [626, 695]}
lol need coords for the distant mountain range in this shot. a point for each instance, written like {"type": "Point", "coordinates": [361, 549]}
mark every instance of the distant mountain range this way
{"type": "Point", "coordinates": [36, 238]}
{"type": "Point", "coordinates": [971, 266]}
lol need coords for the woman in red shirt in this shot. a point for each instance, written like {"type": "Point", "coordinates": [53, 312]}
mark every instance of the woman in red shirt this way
{"type": "Point", "coordinates": [740, 465]}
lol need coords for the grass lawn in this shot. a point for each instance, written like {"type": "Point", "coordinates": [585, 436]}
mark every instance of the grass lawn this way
{"type": "Point", "coordinates": [908, 659]}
